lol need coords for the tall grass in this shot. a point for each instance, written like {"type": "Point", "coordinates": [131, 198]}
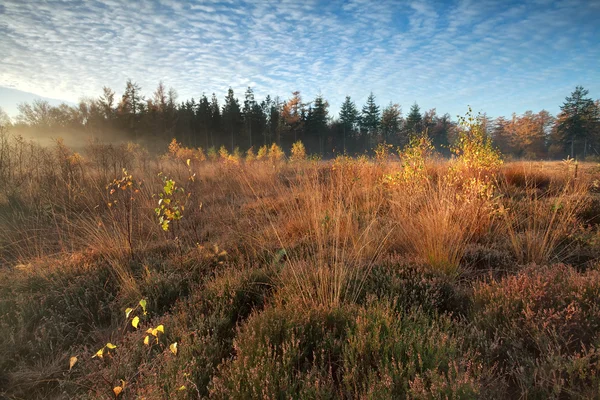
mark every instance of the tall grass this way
{"type": "Point", "coordinates": [538, 223]}
{"type": "Point", "coordinates": [331, 228]}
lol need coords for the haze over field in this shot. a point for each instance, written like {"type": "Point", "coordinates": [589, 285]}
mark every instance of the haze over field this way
{"type": "Point", "coordinates": [501, 57]}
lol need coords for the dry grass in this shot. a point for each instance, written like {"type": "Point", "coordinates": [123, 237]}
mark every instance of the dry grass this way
{"type": "Point", "coordinates": [301, 234]}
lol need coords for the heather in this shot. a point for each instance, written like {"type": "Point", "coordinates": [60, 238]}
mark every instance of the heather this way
{"type": "Point", "coordinates": [205, 273]}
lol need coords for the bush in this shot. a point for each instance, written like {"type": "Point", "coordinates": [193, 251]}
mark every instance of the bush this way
{"type": "Point", "coordinates": [542, 328]}
{"type": "Point", "coordinates": [347, 352]}
{"type": "Point", "coordinates": [44, 315]}
{"type": "Point", "coordinates": [298, 152]}
{"type": "Point", "coordinates": [203, 326]}
{"type": "Point", "coordinates": [415, 286]}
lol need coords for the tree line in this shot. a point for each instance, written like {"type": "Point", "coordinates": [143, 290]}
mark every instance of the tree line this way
{"type": "Point", "coordinates": [251, 123]}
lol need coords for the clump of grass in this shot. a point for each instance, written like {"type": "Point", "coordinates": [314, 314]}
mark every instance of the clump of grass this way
{"type": "Point", "coordinates": [438, 216]}
{"type": "Point", "coordinates": [340, 229]}
{"type": "Point", "coordinates": [538, 225]}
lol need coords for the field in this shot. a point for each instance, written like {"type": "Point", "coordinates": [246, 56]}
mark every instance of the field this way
{"type": "Point", "coordinates": [193, 275]}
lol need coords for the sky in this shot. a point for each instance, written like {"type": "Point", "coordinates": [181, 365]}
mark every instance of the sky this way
{"type": "Point", "coordinates": [499, 57]}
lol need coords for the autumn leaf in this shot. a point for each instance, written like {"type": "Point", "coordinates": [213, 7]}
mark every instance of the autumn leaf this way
{"type": "Point", "coordinates": [99, 353]}
{"type": "Point", "coordinates": [72, 362]}
{"type": "Point", "coordinates": [173, 348]}
{"type": "Point", "coordinates": [142, 304]}
{"type": "Point", "coordinates": [135, 322]}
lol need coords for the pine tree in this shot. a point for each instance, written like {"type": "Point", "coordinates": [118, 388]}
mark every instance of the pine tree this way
{"type": "Point", "coordinates": [203, 115]}
{"type": "Point", "coordinates": [215, 120]}
{"type": "Point", "coordinates": [249, 113]}
{"type": "Point", "coordinates": [106, 102]}
{"type": "Point", "coordinates": [232, 116]}
{"type": "Point", "coordinates": [291, 112]}
{"type": "Point", "coordinates": [317, 121]}
{"type": "Point", "coordinates": [414, 121]}
{"type": "Point", "coordinates": [390, 124]}
{"type": "Point", "coordinates": [369, 121]}
{"type": "Point", "coordinates": [131, 107]}
{"type": "Point", "coordinates": [349, 118]}
{"type": "Point", "coordinates": [577, 125]}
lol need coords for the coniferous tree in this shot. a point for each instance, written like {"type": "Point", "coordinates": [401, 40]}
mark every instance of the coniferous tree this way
{"type": "Point", "coordinates": [248, 112]}
{"type": "Point", "coordinates": [215, 120]}
{"type": "Point", "coordinates": [232, 117]}
{"type": "Point", "coordinates": [349, 119]}
{"type": "Point", "coordinates": [414, 120]}
{"type": "Point", "coordinates": [292, 118]}
{"type": "Point", "coordinates": [317, 121]}
{"type": "Point", "coordinates": [577, 124]}
{"type": "Point", "coordinates": [390, 124]}
{"type": "Point", "coordinates": [106, 103]}
{"type": "Point", "coordinates": [369, 120]}
{"type": "Point", "coordinates": [203, 119]}
{"type": "Point", "coordinates": [131, 106]}
{"type": "Point", "coordinates": [440, 131]}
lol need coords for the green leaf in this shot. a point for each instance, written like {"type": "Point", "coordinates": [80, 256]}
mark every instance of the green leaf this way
{"type": "Point", "coordinates": [142, 304]}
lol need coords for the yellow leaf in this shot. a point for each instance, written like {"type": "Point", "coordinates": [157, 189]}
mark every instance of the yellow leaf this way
{"type": "Point", "coordinates": [150, 330]}
{"type": "Point", "coordinates": [147, 340]}
{"type": "Point", "coordinates": [182, 387]}
{"type": "Point", "coordinates": [117, 390]}
{"type": "Point", "coordinates": [99, 353]}
{"type": "Point", "coordinates": [128, 311]}
{"type": "Point", "coordinates": [111, 346]}
{"type": "Point", "coordinates": [72, 361]}
{"type": "Point", "coordinates": [188, 162]}
{"type": "Point", "coordinates": [135, 321]}
{"type": "Point", "coordinates": [160, 328]}
{"type": "Point", "coordinates": [173, 348]}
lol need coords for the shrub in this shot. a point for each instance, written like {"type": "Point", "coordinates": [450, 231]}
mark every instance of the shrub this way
{"type": "Point", "coordinates": [347, 352]}
{"type": "Point", "coordinates": [262, 153]}
{"type": "Point", "coordinates": [476, 157]}
{"type": "Point", "coordinates": [298, 152]}
{"type": "Point", "coordinates": [250, 156]}
{"type": "Point", "coordinates": [275, 153]}
{"type": "Point", "coordinates": [203, 326]}
{"type": "Point", "coordinates": [415, 286]}
{"type": "Point", "coordinates": [44, 315]}
{"type": "Point", "coordinates": [542, 327]}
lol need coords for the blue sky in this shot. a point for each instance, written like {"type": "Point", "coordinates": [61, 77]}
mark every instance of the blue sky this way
{"type": "Point", "coordinates": [498, 56]}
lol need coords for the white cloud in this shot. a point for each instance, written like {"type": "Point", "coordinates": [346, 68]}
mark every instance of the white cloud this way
{"type": "Point", "coordinates": [441, 55]}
